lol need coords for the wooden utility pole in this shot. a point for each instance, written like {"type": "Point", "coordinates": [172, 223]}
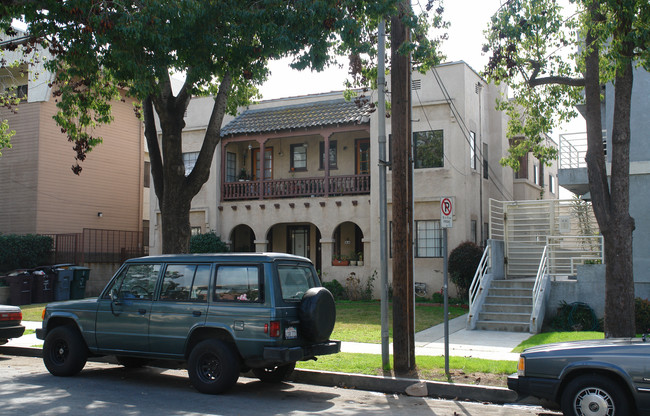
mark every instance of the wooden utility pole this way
{"type": "Point", "coordinates": [403, 336]}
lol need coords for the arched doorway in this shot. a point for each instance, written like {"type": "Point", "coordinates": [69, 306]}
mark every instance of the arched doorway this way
{"type": "Point", "coordinates": [348, 241]}
{"type": "Point", "coordinates": [243, 239]}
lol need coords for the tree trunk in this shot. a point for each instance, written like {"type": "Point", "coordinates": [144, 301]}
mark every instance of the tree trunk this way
{"type": "Point", "coordinates": [611, 208]}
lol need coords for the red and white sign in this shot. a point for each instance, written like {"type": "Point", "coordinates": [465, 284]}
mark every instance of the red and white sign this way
{"type": "Point", "coordinates": [446, 212]}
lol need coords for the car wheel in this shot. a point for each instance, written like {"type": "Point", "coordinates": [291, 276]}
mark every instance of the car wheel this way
{"type": "Point", "coordinates": [131, 362]}
{"type": "Point", "coordinates": [274, 374]}
{"type": "Point", "coordinates": [64, 351]}
{"type": "Point", "coordinates": [317, 314]}
{"type": "Point", "coordinates": [594, 395]}
{"type": "Point", "coordinates": [213, 366]}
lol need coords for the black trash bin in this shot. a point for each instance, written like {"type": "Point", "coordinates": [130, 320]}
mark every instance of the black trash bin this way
{"type": "Point", "coordinates": [20, 288]}
{"type": "Point", "coordinates": [62, 286]}
{"type": "Point", "coordinates": [43, 285]}
{"type": "Point", "coordinates": [80, 276]}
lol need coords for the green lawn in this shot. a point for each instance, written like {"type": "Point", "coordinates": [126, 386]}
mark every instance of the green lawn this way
{"type": "Point", "coordinates": [33, 312]}
{"type": "Point", "coordinates": [553, 337]}
{"type": "Point", "coordinates": [358, 321]}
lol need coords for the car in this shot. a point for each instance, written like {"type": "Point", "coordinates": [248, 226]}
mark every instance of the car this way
{"type": "Point", "coordinates": [10, 319]}
{"type": "Point", "coordinates": [600, 377]}
{"type": "Point", "coordinates": [219, 314]}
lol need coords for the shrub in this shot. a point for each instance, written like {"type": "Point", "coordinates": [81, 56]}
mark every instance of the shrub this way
{"type": "Point", "coordinates": [24, 251]}
{"type": "Point", "coordinates": [642, 315]}
{"type": "Point", "coordinates": [337, 290]}
{"type": "Point", "coordinates": [462, 264]}
{"type": "Point", "coordinates": [576, 316]}
{"type": "Point", "coordinates": [207, 243]}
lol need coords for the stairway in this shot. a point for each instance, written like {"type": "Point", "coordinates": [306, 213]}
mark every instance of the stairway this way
{"type": "Point", "coordinates": [508, 306]}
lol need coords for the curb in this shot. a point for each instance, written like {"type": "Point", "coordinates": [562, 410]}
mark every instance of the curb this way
{"type": "Point", "coordinates": [390, 385]}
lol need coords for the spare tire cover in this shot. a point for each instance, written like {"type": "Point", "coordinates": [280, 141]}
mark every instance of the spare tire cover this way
{"type": "Point", "coordinates": [317, 314]}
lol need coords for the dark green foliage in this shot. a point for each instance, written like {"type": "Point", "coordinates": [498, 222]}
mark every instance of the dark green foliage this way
{"type": "Point", "coordinates": [463, 261]}
{"type": "Point", "coordinates": [337, 289]}
{"type": "Point", "coordinates": [207, 243]}
{"type": "Point", "coordinates": [642, 315]}
{"type": "Point", "coordinates": [24, 251]}
{"type": "Point", "coordinates": [576, 316]}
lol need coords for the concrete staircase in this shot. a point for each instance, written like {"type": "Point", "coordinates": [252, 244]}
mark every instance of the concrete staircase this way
{"type": "Point", "coordinates": [508, 306]}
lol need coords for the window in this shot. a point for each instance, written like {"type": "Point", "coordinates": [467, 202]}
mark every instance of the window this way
{"type": "Point", "coordinates": [268, 163]}
{"type": "Point", "coordinates": [135, 282]}
{"type": "Point", "coordinates": [362, 151]}
{"type": "Point", "coordinates": [332, 155]}
{"type": "Point", "coordinates": [428, 238]}
{"type": "Point", "coordinates": [186, 282]}
{"type": "Point", "coordinates": [189, 160]}
{"type": "Point", "coordinates": [195, 230]}
{"type": "Point", "coordinates": [295, 281]}
{"type": "Point", "coordinates": [522, 173]}
{"type": "Point", "coordinates": [473, 231]}
{"type": "Point", "coordinates": [535, 174]}
{"type": "Point", "coordinates": [485, 162]}
{"type": "Point", "coordinates": [472, 150]}
{"type": "Point", "coordinates": [238, 284]}
{"type": "Point", "coordinates": [429, 149]}
{"type": "Point", "coordinates": [147, 174]}
{"type": "Point", "coordinates": [551, 184]}
{"type": "Point", "coordinates": [231, 167]}
{"type": "Point", "coordinates": [299, 156]}
{"type": "Point", "coordinates": [486, 233]}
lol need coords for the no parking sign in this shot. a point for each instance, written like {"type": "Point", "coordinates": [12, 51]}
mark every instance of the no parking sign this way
{"type": "Point", "coordinates": [446, 212]}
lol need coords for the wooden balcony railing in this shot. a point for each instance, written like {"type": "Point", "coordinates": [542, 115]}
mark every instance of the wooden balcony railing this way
{"type": "Point", "coordinates": [295, 188]}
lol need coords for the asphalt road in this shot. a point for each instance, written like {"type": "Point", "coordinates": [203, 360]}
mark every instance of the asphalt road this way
{"type": "Point", "coordinates": [26, 388]}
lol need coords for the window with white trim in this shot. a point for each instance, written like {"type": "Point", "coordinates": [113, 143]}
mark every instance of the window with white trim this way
{"type": "Point", "coordinates": [189, 160]}
{"type": "Point", "coordinates": [428, 238]}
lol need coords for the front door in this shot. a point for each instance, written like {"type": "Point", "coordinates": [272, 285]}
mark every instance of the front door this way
{"type": "Point", "coordinates": [298, 240]}
{"type": "Point", "coordinates": [363, 156]}
{"type": "Point", "coordinates": [124, 309]}
{"type": "Point", "coordinates": [268, 163]}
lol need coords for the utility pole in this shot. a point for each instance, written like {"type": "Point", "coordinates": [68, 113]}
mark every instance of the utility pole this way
{"type": "Point", "coordinates": [403, 336]}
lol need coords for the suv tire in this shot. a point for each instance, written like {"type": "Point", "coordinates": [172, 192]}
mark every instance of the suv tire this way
{"type": "Point", "coordinates": [594, 393]}
{"type": "Point", "coordinates": [213, 366]}
{"type": "Point", "coordinates": [317, 314]}
{"type": "Point", "coordinates": [64, 351]}
{"type": "Point", "coordinates": [275, 374]}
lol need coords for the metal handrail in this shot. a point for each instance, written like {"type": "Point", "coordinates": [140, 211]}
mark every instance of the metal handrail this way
{"type": "Point", "coordinates": [542, 275]}
{"type": "Point", "coordinates": [482, 268]}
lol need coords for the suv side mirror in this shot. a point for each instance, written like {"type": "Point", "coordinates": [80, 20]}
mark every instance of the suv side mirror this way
{"type": "Point", "coordinates": [115, 297]}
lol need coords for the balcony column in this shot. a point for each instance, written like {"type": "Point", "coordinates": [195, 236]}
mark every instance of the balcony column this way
{"type": "Point", "coordinates": [260, 179]}
{"type": "Point", "coordinates": [326, 252]}
{"type": "Point", "coordinates": [326, 163]}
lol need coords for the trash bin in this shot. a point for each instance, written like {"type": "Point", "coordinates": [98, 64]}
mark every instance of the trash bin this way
{"type": "Point", "coordinates": [62, 284]}
{"type": "Point", "coordinates": [43, 285]}
{"type": "Point", "coordinates": [20, 288]}
{"type": "Point", "coordinates": [78, 283]}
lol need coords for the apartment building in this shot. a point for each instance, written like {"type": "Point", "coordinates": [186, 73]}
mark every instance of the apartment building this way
{"type": "Point", "coordinates": [300, 175]}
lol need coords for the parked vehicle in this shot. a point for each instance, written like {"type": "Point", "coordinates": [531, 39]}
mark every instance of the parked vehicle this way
{"type": "Point", "coordinates": [601, 377]}
{"type": "Point", "coordinates": [222, 314]}
{"type": "Point", "coordinates": [10, 319]}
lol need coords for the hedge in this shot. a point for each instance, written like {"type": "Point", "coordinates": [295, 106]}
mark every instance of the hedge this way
{"type": "Point", "coordinates": [24, 251]}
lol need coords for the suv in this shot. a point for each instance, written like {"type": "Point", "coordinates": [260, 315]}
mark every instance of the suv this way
{"type": "Point", "coordinates": [222, 314]}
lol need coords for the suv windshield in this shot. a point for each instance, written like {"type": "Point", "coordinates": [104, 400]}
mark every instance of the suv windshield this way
{"type": "Point", "coordinates": [294, 280]}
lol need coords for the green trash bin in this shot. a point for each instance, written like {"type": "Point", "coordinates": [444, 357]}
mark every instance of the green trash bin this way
{"type": "Point", "coordinates": [78, 283]}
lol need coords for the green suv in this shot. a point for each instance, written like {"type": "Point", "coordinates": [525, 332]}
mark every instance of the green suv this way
{"type": "Point", "coordinates": [221, 314]}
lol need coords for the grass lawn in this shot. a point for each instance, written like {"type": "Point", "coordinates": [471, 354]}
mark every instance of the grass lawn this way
{"type": "Point", "coordinates": [359, 321]}
{"type": "Point", "coordinates": [429, 368]}
{"type": "Point", "coordinates": [33, 312]}
{"type": "Point", "coordinates": [553, 337]}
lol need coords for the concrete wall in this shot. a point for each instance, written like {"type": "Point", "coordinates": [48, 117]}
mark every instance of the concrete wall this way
{"type": "Point", "coordinates": [588, 287]}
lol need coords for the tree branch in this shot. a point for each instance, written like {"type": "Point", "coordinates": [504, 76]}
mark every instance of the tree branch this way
{"type": "Point", "coordinates": [534, 81]}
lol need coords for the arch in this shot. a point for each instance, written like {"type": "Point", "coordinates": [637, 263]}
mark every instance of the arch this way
{"type": "Point", "coordinates": [348, 241]}
{"type": "Point", "coordinates": [243, 239]}
{"type": "Point", "coordinates": [300, 238]}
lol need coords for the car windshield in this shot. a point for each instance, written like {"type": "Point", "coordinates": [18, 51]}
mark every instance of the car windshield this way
{"type": "Point", "coordinates": [295, 280]}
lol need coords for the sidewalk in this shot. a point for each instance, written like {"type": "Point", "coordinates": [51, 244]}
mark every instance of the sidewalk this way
{"type": "Point", "coordinates": [491, 345]}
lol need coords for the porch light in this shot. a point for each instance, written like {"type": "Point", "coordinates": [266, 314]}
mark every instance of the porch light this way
{"type": "Point", "coordinates": [347, 242]}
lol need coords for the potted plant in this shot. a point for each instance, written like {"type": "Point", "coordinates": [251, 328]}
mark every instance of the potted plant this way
{"type": "Point", "coordinates": [359, 259]}
{"type": "Point", "coordinates": [353, 260]}
{"type": "Point", "coordinates": [338, 260]}
{"type": "Point", "coordinates": [243, 175]}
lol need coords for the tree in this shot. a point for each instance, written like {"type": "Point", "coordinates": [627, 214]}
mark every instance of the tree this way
{"type": "Point", "coordinates": [605, 39]}
{"type": "Point", "coordinates": [102, 48]}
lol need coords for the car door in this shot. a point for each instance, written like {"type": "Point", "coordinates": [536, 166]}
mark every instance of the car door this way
{"type": "Point", "coordinates": [124, 309]}
{"type": "Point", "coordinates": [181, 306]}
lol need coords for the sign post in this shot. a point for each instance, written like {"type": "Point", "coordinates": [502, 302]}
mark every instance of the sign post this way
{"type": "Point", "coordinates": [446, 221]}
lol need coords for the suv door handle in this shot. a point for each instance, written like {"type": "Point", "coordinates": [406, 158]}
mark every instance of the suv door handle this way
{"type": "Point", "coordinates": [142, 311]}
{"type": "Point", "coordinates": [196, 313]}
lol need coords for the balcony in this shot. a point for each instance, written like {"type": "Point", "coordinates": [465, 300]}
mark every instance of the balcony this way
{"type": "Point", "coordinates": [296, 187]}
{"type": "Point", "coordinates": [572, 172]}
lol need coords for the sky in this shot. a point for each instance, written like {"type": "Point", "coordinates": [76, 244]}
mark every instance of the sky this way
{"type": "Point", "coordinates": [468, 19]}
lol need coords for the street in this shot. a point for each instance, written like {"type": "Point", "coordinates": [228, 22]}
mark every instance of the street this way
{"type": "Point", "coordinates": [26, 388]}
